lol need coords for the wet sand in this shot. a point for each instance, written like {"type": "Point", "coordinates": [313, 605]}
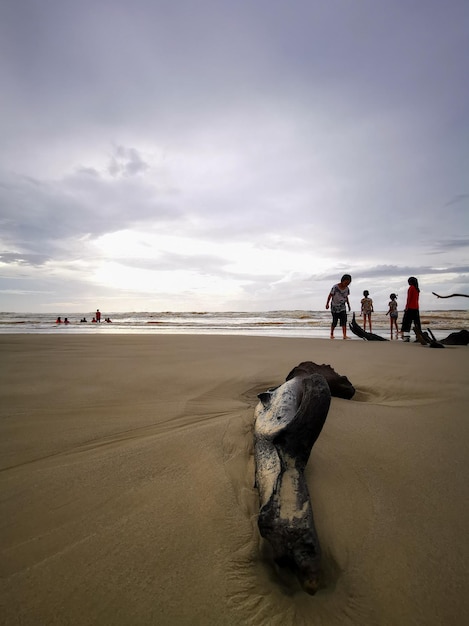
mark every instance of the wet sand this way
{"type": "Point", "coordinates": [127, 483]}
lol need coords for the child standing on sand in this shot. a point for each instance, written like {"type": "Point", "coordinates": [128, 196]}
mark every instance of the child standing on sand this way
{"type": "Point", "coordinates": [367, 309]}
{"type": "Point", "coordinates": [339, 295]}
{"type": "Point", "coordinates": [393, 314]}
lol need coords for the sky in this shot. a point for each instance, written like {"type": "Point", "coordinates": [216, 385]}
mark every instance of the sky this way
{"type": "Point", "coordinates": [221, 155]}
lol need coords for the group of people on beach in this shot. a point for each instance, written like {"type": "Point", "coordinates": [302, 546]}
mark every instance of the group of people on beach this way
{"type": "Point", "coordinates": [338, 300]}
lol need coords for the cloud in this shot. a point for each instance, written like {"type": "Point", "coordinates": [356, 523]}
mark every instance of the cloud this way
{"type": "Point", "coordinates": [127, 162]}
{"type": "Point", "coordinates": [398, 271]}
{"type": "Point", "coordinates": [461, 197]}
{"type": "Point", "coordinates": [23, 259]}
{"type": "Point", "coordinates": [450, 245]}
{"type": "Point", "coordinates": [52, 215]}
{"type": "Point", "coordinates": [253, 152]}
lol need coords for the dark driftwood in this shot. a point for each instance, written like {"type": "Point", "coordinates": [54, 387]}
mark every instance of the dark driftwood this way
{"type": "Point", "coordinates": [288, 420]}
{"type": "Point", "coordinates": [340, 386]}
{"type": "Point", "coordinates": [460, 338]}
{"type": "Point", "coordinates": [358, 330]}
{"type": "Point", "coordinates": [453, 295]}
{"type": "Point", "coordinates": [427, 338]}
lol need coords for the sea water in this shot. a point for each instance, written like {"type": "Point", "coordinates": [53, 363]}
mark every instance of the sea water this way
{"type": "Point", "coordinates": [313, 324]}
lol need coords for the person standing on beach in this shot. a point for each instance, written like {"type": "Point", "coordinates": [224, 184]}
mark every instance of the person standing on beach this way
{"type": "Point", "coordinates": [339, 295]}
{"type": "Point", "coordinates": [98, 315]}
{"type": "Point", "coordinates": [393, 314]}
{"type": "Point", "coordinates": [411, 312]}
{"type": "Point", "coordinates": [367, 309]}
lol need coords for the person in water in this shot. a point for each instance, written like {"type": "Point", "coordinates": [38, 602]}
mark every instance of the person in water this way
{"type": "Point", "coordinates": [58, 320]}
{"type": "Point", "coordinates": [338, 297]}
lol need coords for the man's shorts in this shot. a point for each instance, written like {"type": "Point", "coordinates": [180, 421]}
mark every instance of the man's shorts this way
{"type": "Point", "coordinates": [339, 316]}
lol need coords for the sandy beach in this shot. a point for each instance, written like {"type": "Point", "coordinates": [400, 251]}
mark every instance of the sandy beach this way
{"type": "Point", "coordinates": [127, 490]}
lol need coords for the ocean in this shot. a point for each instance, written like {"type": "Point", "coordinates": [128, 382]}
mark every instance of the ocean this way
{"type": "Point", "coordinates": [313, 324]}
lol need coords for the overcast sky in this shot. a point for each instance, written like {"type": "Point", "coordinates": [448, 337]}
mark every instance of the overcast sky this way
{"type": "Point", "coordinates": [232, 154]}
